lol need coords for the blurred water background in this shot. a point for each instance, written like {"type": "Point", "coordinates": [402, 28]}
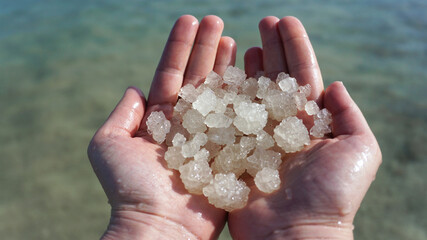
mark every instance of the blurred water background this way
{"type": "Point", "coordinates": [65, 64]}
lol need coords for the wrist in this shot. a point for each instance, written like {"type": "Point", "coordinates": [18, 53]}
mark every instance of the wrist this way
{"type": "Point", "coordinates": [336, 232]}
{"type": "Point", "coordinates": [138, 225]}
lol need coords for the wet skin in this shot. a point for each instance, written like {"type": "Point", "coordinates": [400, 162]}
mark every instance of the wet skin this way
{"type": "Point", "coordinates": [322, 186]}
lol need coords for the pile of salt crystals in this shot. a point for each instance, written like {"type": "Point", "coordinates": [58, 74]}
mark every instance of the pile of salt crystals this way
{"type": "Point", "coordinates": [232, 125]}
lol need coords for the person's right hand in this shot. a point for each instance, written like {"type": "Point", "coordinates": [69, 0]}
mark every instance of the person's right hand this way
{"type": "Point", "coordinates": [324, 184]}
{"type": "Point", "coordinates": [148, 200]}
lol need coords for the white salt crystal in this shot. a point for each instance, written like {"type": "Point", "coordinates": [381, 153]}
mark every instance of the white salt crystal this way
{"type": "Point", "coordinates": [228, 160]}
{"type": "Point", "coordinates": [174, 158]}
{"type": "Point", "coordinates": [213, 80]}
{"type": "Point", "coordinates": [300, 100]}
{"type": "Point", "coordinates": [262, 158]}
{"type": "Point", "coordinates": [202, 155]}
{"type": "Point", "coordinates": [311, 107]}
{"type": "Point", "coordinates": [234, 76]}
{"type": "Point", "coordinates": [267, 180]}
{"type": "Point", "coordinates": [176, 127]}
{"type": "Point", "coordinates": [247, 144]}
{"type": "Point", "coordinates": [264, 84]}
{"type": "Point", "coordinates": [264, 140]}
{"type": "Point", "coordinates": [188, 93]}
{"type": "Point", "coordinates": [250, 87]}
{"type": "Point", "coordinates": [190, 148]}
{"type": "Point", "coordinates": [279, 105]}
{"type": "Point", "coordinates": [158, 126]}
{"type": "Point", "coordinates": [222, 136]}
{"type": "Point", "coordinates": [319, 130]}
{"type": "Point", "coordinates": [178, 140]}
{"type": "Point", "coordinates": [306, 89]}
{"type": "Point", "coordinates": [226, 192]}
{"type": "Point", "coordinates": [200, 139]}
{"type": "Point", "coordinates": [288, 85]}
{"type": "Point", "coordinates": [291, 134]}
{"type": "Point", "coordinates": [251, 117]}
{"type": "Point", "coordinates": [324, 116]}
{"type": "Point", "coordinates": [195, 175]}
{"type": "Point", "coordinates": [193, 121]}
{"type": "Point", "coordinates": [221, 105]}
{"type": "Point", "coordinates": [181, 107]}
{"type": "Point", "coordinates": [218, 120]}
{"type": "Point", "coordinates": [205, 102]}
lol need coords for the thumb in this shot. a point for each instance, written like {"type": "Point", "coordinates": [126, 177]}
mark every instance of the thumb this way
{"type": "Point", "coordinates": [126, 117]}
{"type": "Point", "coordinates": [347, 117]}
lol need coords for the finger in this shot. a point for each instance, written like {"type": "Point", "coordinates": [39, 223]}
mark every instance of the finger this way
{"type": "Point", "coordinates": [126, 117]}
{"type": "Point", "coordinates": [347, 119]}
{"type": "Point", "coordinates": [202, 57]}
{"type": "Point", "coordinates": [273, 53]}
{"type": "Point", "coordinates": [253, 61]}
{"type": "Point", "coordinates": [226, 55]}
{"type": "Point", "coordinates": [170, 71]}
{"type": "Point", "coordinates": [300, 57]}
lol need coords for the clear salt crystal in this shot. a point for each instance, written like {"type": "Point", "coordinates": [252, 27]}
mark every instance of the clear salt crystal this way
{"type": "Point", "coordinates": [267, 180]}
{"type": "Point", "coordinates": [213, 80]}
{"type": "Point", "coordinates": [251, 117]}
{"type": "Point", "coordinates": [178, 140]}
{"type": "Point", "coordinates": [222, 136]}
{"type": "Point", "coordinates": [306, 89]}
{"type": "Point", "coordinates": [158, 126]}
{"type": "Point", "coordinates": [262, 158]}
{"type": "Point", "coordinates": [202, 155]}
{"type": "Point", "coordinates": [188, 93]}
{"type": "Point", "coordinates": [264, 140]}
{"type": "Point", "coordinates": [234, 76]}
{"type": "Point", "coordinates": [193, 121]}
{"type": "Point", "coordinates": [229, 160]}
{"type": "Point", "coordinates": [205, 102]}
{"type": "Point", "coordinates": [250, 87]}
{"type": "Point", "coordinates": [174, 158]}
{"type": "Point", "coordinates": [291, 134]}
{"type": "Point", "coordinates": [218, 120]}
{"type": "Point", "coordinates": [264, 85]}
{"type": "Point", "coordinates": [280, 105]}
{"type": "Point", "coordinates": [195, 175]}
{"type": "Point", "coordinates": [227, 192]}
{"type": "Point", "coordinates": [288, 85]}
{"type": "Point", "coordinates": [300, 100]}
{"type": "Point", "coordinates": [311, 108]}
{"type": "Point", "coordinates": [181, 107]}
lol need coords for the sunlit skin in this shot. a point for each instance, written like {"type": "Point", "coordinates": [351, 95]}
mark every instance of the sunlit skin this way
{"type": "Point", "coordinates": [322, 186]}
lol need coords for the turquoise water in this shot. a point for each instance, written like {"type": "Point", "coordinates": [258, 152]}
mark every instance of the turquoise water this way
{"type": "Point", "coordinates": [64, 65]}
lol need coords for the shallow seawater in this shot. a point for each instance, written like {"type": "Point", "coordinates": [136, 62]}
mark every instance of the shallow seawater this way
{"type": "Point", "coordinates": [64, 65]}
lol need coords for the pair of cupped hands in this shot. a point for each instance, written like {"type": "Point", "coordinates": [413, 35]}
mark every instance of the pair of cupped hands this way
{"type": "Point", "coordinates": [322, 186]}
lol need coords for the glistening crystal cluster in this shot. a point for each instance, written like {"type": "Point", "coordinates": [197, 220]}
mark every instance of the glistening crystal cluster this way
{"type": "Point", "coordinates": [231, 126]}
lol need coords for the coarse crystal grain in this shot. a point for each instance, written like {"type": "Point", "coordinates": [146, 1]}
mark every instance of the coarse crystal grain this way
{"type": "Point", "coordinates": [227, 192]}
{"type": "Point", "coordinates": [311, 108]}
{"type": "Point", "coordinates": [195, 175]}
{"type": "Point", "coordinates": [218, 120]}
{"type": "Point", "coordinates": [174, 158]}
{"type": "Point", "coordinates": [251, 117]}
{"type": "Point", "coordinates": [178, 140]}
{"type": "Point", "coordinates": [205, 102]}
{"type": "Point", "coordinates": [262, 158]}
{"type": "Point", "coordinates": [193, 121]}
{"type": "Point", "coordinates": [158, 126]}
{"type": "Point", "coordinates": [234, 76]}
{"type": "Point", "coordinates": [291, 134]}
{"type": "Point", "coordinates": [267, 180]}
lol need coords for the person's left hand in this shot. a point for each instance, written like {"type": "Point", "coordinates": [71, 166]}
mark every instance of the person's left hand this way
{"type": "Point", "coordinates": [147, 199]}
